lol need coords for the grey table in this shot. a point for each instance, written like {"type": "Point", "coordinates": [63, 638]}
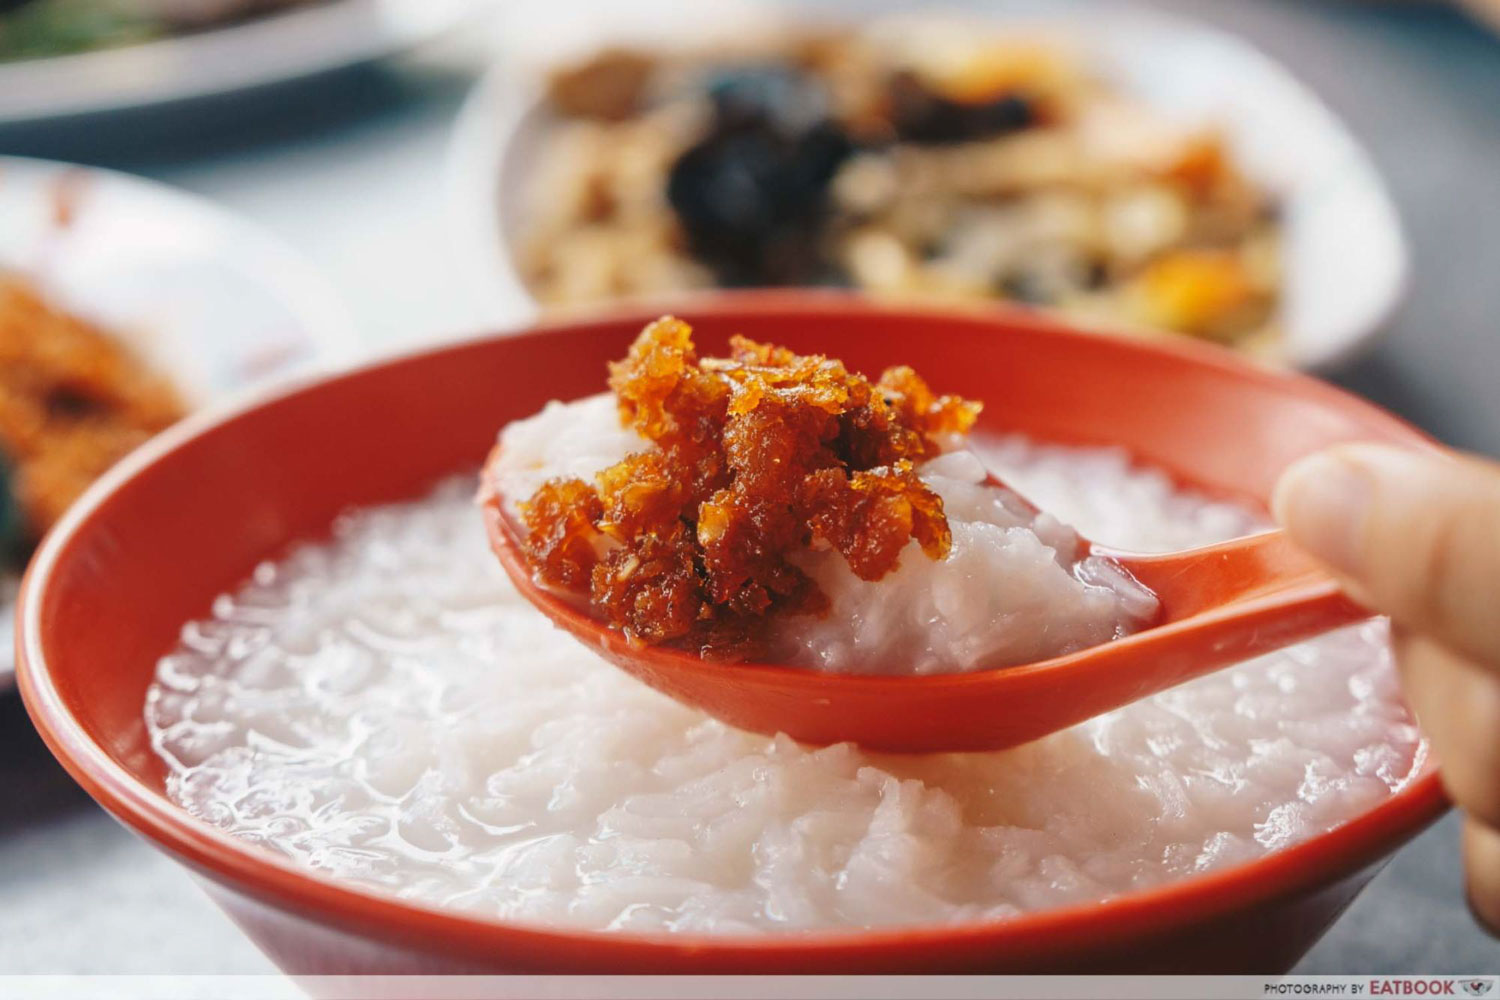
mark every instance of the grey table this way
{"type": "Point", "coordinates": [348, 169]}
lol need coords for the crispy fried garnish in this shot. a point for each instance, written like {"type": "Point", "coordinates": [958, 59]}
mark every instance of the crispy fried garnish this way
{"type": "Point", "coordinates": [73, 400]}
{"type": "Point", "coordinates": [755, 459]}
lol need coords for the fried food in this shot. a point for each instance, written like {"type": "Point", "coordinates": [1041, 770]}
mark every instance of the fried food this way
{"type": "Point", "coordinates": [753, 459]}
{"type": "Point", "coordinates": [927, 162]}
{"type": "Point", "coordinates": [73, 401]}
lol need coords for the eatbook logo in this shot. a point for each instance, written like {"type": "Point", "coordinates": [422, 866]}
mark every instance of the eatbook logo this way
{"type": "Point", "coordinates": [1477, 987]}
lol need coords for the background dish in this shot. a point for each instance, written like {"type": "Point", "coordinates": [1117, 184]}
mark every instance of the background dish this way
{"type": "Point", "coordinates": [1345, 256]}
{"type": "Point", "coordinates": [295, 43]}
{"type": "Point", "coordinates": [204, 297]}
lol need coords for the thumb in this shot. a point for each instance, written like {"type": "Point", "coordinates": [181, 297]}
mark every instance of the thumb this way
{"type": "Point", "coordinates": [1412, 534]}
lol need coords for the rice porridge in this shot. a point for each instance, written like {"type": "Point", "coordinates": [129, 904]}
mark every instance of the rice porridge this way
{"type": "Point", "coordinates": [383, 708]}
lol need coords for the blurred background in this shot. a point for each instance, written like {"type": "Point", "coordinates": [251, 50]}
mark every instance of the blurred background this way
{"type": "Point", "coordinates": [198, 196]}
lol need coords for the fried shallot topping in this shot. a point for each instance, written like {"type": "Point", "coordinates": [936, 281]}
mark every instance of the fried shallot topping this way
{"type": "Point", "coordinates": [754, 459]}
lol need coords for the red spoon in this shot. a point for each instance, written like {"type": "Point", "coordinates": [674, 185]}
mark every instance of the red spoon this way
{"type": "Point", "coordinates": [1219, 604]}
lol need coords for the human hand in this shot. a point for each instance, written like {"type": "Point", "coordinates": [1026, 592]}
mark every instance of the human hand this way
{"type": "Point", "coordinates": [1416, 536]}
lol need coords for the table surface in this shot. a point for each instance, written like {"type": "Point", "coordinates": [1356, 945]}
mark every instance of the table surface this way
{"type": "Point", "coordinates": [349, 169]}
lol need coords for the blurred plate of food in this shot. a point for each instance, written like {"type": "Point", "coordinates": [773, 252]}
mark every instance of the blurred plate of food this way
{"type": "Point", "coordinates": [61, 57]}
{"type": "Point", "coordinates": [1131, 170]}
{"type": "Point", "coordinates": [123, 305]}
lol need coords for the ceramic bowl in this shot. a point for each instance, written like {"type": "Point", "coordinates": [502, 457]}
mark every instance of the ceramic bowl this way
{"type": "Point", "coordinates": [299, 42]}
{"type": "Point", "coordinates": [191, 514]}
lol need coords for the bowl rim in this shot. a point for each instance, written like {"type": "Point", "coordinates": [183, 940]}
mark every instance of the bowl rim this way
{"type": "Point", "coordinates": [260, 874]}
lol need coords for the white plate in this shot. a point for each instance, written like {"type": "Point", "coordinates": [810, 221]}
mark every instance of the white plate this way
{"type": "Point", "coordinates": [1346, 257]}
{"type": "Point", "coordinates": [210, 300]}
{"type": "Point", "coordinates": [296, 43]}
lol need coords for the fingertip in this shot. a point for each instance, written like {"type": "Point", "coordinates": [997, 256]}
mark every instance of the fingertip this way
{"type": "Point", "coordinates": [1295, 480]}
{"type": "Point", "coordinates": [1322, 501]}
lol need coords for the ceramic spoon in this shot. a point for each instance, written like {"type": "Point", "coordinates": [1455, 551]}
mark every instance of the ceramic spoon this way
{"type": "Point", "coordinates": [1219, 604]}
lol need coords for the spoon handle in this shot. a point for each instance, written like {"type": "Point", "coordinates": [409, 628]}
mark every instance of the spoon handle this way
{"type": "Point", "coordinates": [1242, 570]}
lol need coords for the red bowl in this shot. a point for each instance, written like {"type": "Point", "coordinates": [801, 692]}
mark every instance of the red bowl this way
{"type": "Point", "coordinates": [189, 515]}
